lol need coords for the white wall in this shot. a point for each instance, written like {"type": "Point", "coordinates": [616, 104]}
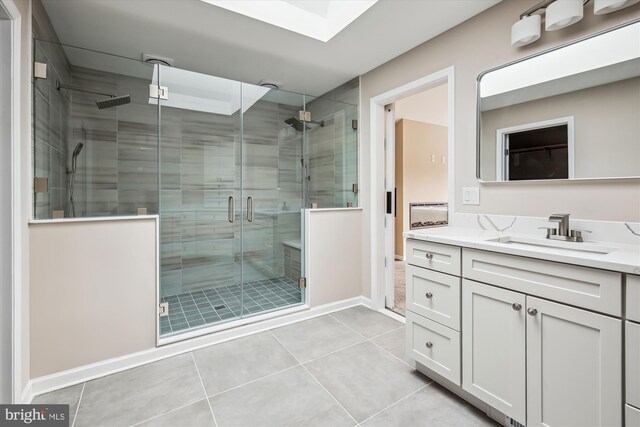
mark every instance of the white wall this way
{"type": "Point", "coordinates": [481, 43]}
{"type": "Point", "coordinates": [334, 259]}
{"type": "Point", "coordinates": [93, 291]}
{"type": "Point", "coordinates": [6, 293]}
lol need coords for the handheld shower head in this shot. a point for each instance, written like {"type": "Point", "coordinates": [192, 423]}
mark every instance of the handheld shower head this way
{"type": "Point", "coordinates": [78, 149]}
{"type": "Point", "coordinates": [74, 156]}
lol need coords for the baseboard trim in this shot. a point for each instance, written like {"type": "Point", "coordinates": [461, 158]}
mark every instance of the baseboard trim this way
{"type": "Point", "coordinates": [27, 393]}
{"type": "Point", "coordinates": [47, 383]}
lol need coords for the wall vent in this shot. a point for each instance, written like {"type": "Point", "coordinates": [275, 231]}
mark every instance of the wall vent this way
{"type": "Point", "coordinates": [513, 423]}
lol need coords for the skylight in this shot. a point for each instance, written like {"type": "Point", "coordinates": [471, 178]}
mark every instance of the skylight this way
{"type": "Point", "coordinates": [318, 19]}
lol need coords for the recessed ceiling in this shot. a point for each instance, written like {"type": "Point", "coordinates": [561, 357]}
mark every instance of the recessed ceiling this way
{"type": "Point", "coordinates": [222, 43]}
{"type": "Point", "coordinates": [318, 19]}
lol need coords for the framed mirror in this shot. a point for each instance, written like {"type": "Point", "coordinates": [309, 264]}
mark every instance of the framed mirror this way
{"type": "Point", "coordinates": [572, 112]}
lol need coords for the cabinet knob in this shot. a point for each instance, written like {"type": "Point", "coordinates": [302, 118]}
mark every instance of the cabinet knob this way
{"type": "Point", "coordinates": [429, 255]}
{"type": "Point", "coordinates": [429, 295]}
{"type": "Point", "coordinates": [532, 311]}
{"type": "Point", "coordinates": [429, 344]}
{"type": "Point", "coordinates": [516, 306]}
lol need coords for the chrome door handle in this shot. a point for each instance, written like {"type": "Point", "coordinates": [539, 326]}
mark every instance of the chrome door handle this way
{"type": "Point", "coordinates": [516, 306]}
{"type": "Point", "coordinates": [429, 344]}
{"type": "Point", "coordinates": [429, 255]}
{"type": "Point", "coordinates": [231, 209]}
{"type": "Point", "coordinates": [532, 311]}
{"type": "Point", "coordinates": [250, 214]}
{"type": "Point", "coordinates": [429, 295]}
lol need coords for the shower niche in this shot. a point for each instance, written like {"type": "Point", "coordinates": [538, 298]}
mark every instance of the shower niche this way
{"type": "Point", "coordinates": [228, 167]}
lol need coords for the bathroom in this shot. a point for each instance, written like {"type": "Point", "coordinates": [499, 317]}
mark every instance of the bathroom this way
{"type": "Point", "coordinates": [172, 201]}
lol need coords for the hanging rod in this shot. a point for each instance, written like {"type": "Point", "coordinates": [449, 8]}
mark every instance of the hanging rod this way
{"type": "Point", "coordinates": [546, 147]}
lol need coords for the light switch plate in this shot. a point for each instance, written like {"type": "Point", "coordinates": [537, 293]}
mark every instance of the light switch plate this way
{"type": "Point", "coordinates": [471, 195]}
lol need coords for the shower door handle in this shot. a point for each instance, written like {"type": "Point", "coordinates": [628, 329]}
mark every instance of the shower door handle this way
{"type": "Point", "coordinates": [250, 213]}
{"type": "Point", "coordinates": [231, 209]}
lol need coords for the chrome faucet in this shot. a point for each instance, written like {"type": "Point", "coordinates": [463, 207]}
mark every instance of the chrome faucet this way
{"type": "Point", "coordinates": [563, 223]}
{"type": "Point", "coordinates": [563, 232]}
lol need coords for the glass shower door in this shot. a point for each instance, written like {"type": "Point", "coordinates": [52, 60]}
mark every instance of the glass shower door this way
{"type": "Point", "coordinates": [273, 198]}
{"type": "Point", "coordinates": [200, 199]}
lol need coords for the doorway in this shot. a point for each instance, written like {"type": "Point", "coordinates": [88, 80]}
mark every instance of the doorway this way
{"type": "Point", "coordinates": [417, 133]}
{"type": "Point", "coordinates": [412, 136]}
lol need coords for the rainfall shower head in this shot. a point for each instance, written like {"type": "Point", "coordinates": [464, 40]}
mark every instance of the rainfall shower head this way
{"type": "Point", "coordinates": [114, 101]}
{"type": "Point", "coordinates": [299, 126]}
{"type": "Point", "coordinates": [296, 124]}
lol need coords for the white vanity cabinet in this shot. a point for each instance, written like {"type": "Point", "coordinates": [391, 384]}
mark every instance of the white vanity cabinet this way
{"type": "Point", "coordinates": [522, 354]}
{"type": "Point", "coordinates": [433, 307]}
{"type": "Point", "coordinates": [632, 351]}
{"type": "Point", "coordinates": [541, 341]}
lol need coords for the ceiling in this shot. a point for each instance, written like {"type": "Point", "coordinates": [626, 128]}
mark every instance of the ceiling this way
{"type": "Point", "coordinates": [212, 40]}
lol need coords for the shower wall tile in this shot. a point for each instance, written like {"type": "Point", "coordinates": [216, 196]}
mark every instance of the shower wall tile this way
{"type": "Point", "coordinates": [192, 199]}
{"type": "Point", "coordinates": [57, 167]}
{"type": "Point", "coordinates": [137, 175]}
{"type": "Point", "coordinates": [171, 176]}
{"type": "Point", "coordinates": [41, 111]}
{"type": "Point", "coordinates": [333, 153]}
{"type": "Point", "coordinates": [218, 200]}
{"type": "Point", "coordinates": [129, 201]}
{"type": "Point", "coordinates": [101, 202]}
{"type": "Point", "coordinates": [51, 116]}
{"type": "Point", "coordinates": [170, 200]}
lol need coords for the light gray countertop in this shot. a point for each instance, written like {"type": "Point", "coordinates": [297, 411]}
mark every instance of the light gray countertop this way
{"type": "Point", "coordinates": [624, 258]}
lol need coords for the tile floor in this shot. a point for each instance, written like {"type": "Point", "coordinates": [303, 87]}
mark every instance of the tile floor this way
{"type": "Point", "coordinates": [347, 368]}
{"type": "Point", "coordinates": [209, 306]}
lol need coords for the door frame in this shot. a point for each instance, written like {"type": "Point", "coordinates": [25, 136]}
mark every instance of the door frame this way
{"type": "Point", "coordinates": [13, 199]}
{"type": "Point", "coordinates": [379, 272]}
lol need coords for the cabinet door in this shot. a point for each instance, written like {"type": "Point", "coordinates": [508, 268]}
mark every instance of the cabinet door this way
{"type": "Point", "coordinates": [574, 366]}
{"type": "Point", "coordinates": [493, 347]}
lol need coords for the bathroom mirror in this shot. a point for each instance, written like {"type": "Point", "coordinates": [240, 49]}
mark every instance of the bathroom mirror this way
{"type": "Point", "coordinates": [572, 112]}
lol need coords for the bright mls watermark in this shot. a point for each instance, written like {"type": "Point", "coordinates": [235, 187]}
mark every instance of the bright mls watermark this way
{"type": "Point", "coordinates": [34, 415]}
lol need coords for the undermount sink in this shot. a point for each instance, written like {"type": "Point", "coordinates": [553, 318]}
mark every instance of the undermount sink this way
{"type": "Point", "coordinates": [555, 244]}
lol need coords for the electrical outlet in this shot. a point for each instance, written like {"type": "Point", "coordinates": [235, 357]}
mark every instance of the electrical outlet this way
{"type": "Point", "coordinates": [470, 195]}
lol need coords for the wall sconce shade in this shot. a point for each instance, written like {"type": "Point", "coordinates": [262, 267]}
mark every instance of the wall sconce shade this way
{"type": "Point", "coordinates": [525, 31]}
{"type": "Point", "coordinates": [600, 7]}
{"type": "Point", "coordinates": [562, 13]}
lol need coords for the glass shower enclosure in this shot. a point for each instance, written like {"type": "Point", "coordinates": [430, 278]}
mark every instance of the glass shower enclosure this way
{"type": "Point", "coordinates": [231, 194]}
{"type": "Point", "coordinates": [228, 167]}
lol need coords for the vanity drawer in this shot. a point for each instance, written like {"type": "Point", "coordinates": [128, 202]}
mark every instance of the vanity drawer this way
{"type": "Point", "coordinates": [433, 345]}
{"type": "Point", "coordinates": [434, 256]}
{"type": "Point", "coordinates": [434, 295]}
{"type": "Point", "coordinates": [633, 297]}
{"type": "Point", "coordinates": [590, 288]}
{"type": "Point", "coordinates": [632, 356]}
{"type": "Point", "coordinates": [632, 416]}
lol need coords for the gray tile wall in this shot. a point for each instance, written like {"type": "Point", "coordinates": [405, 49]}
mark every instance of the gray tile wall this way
{"type": "Point", "coordinates": [118, 167]}
{"type": "Point", "coordinates": [51, 110]}
{"type": "Point", "coordinates": [333, 148]}
{"type": "Point", "coordinates": [200, 169]}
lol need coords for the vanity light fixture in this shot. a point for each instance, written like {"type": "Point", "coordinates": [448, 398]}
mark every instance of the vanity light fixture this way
{"type": "Point", "coordinates": [525, 31]}
{"type": "Point", "coordinates": [601, 7]}
{"type": "Point", "coordinates": [558, 14]}
{"type": "Point", "coordinates": [562, 13]}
